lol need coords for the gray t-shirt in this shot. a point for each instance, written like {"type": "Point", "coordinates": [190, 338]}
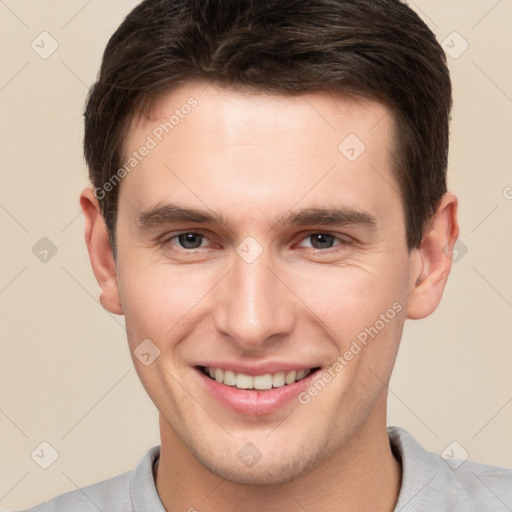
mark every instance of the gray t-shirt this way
{"type": "Point", "coordinates": [429, 484]}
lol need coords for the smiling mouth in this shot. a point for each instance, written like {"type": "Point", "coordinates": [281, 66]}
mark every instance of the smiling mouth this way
{"type": "Point", "coordinates": [258, 382]}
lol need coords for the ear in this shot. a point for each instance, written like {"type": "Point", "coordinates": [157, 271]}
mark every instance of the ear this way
{"type": "Point", "coordinates": [100, 252]}
{"type": "Point", "coordinates": [434, 259]}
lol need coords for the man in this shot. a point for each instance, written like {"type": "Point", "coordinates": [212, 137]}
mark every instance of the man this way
{"type": "Point", "coordinates": [268, 207]}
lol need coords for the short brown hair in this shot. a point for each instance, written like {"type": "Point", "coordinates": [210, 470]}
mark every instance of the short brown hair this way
{"type": "Point", "coordinates": [378, 49]}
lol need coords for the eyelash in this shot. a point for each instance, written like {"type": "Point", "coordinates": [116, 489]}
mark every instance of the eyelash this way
{"type": "Point", "coordinates": [341, 241]}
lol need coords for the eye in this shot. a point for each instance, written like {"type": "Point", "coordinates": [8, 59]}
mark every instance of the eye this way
{"type": "Point", "coordinates": [188, 240]}
{"type": "Point", "coordinates": [322, 240]}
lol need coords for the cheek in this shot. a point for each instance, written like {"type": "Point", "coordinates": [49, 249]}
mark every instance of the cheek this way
{"type": "Point", "coordinates": [350, 299]}
{"type": "Point", "coordinates": [158, 300]}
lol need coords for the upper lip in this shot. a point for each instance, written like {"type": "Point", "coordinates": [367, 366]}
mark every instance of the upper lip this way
{"type": "Point", "coordinates": [255, 369]}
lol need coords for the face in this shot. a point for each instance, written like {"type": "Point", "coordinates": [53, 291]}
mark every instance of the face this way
{"type": "Point", "coordinates": [261, 240]}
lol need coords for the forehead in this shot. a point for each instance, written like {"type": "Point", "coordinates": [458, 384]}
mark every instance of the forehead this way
{"type": "Point", "coordinates": [242, 112]}
{"type": "Point", "coordinates": [234, 149]}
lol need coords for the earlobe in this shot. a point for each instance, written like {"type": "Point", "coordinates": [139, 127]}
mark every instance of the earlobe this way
{"type": "Point", "coordinates": [100, 252]}
{"type": "Point", "coordinates": [434, 259]}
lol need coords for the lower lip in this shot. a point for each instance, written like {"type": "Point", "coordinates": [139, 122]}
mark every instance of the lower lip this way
{"type": "Point", "coordinates": [253, 402]}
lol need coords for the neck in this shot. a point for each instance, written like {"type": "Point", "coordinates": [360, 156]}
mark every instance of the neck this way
{"type": "Point", "coordinates": [362, 475]}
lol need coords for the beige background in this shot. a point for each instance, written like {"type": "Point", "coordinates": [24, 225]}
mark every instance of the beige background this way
{"type": "Point", "coordinates": [66, 374]}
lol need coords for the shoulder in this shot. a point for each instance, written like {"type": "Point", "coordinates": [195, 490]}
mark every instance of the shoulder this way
{"type": "Point", "coordinates": [430, 482]}
{"type": "Point", "coordinates": [113, 493]}
{"type": "Point", "coordinates": [117, 494]}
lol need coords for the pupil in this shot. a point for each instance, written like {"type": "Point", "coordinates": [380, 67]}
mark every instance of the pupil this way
{"type": "Point", "coordinates": [322, 241]}
{"type": "Point", "coordinates": [190, 240]}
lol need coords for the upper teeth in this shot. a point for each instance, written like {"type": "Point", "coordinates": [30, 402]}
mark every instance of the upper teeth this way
{"type": "Point", "coordinates": [267, 381]}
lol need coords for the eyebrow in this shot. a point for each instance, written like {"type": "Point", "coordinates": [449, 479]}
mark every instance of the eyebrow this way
{"type": "Point", "coordinates": [340, 216]}
{"type": "Point", "coordinates": [169, 213]}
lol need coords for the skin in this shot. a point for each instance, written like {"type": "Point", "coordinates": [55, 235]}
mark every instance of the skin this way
{"type": "Point", "coordinates": [252, 157]}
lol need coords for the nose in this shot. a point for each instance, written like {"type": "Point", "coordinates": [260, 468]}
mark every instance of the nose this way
{"type": "Point", "coordinates": [255, 306]}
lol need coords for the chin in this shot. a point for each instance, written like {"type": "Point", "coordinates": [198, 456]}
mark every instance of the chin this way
{"type": "Point", "coordinates": [272, 469]}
